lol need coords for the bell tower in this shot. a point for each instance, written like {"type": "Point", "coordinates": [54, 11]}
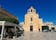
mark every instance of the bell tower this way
{"type": "Point", "coordinates": [31, 9]}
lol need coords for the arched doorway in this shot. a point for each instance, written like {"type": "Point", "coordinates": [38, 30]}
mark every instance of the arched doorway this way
{"type": "Point", "coordinates": [31, 28]}
{"type": "Point", "coordinates": [53, 28]}
{"type": "Point", "coordinates": [45, 28]}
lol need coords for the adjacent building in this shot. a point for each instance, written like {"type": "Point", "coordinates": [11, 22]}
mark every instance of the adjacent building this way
{"type": "Point", "coordinates": [8, 22]}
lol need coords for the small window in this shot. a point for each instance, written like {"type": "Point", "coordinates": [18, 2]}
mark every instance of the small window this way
{"type": "Point", "coordinates": [31, 19]}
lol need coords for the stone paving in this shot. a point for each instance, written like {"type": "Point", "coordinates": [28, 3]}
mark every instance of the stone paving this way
{"type": "Point", "coordinates": [37, 36]}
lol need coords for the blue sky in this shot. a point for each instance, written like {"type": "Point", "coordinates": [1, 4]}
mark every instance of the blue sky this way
{"type": "Point", "coordinates": [45, 8]}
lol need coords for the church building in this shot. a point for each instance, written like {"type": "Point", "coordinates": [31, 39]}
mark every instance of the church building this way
{"type": "Point", "coordinates": [32, 21]}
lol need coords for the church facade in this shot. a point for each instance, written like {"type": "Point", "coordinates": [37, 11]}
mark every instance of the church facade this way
{"type": "Point", "coordinates": [32, 22]}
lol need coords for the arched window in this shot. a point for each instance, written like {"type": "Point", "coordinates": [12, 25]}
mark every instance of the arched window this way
{"type": "Point", "coordinates": [31, 19]}
{"type": "Point", "coordinates": [31, 10]}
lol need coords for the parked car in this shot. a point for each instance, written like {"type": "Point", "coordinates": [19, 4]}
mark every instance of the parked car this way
{"type": "Point", "coordinates": [21, 30]}
{"type": "Point", "coordinates": [45, 30]}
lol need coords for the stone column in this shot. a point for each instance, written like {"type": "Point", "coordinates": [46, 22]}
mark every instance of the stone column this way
{"type": "Point", "coordinates": [2, 30]}
{"type": "Point", "coordinates": [15, 29]}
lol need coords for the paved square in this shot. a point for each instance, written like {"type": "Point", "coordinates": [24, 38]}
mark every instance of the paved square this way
{"type": "Point", "coordinates": [38, 36]}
